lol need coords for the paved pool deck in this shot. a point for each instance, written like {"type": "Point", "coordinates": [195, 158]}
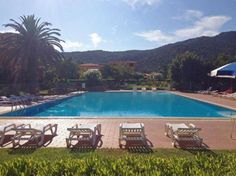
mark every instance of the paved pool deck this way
{"type": "Point", "coordinates": [215, 132]}
{"type": "Point", "coordinates": [217, 100]}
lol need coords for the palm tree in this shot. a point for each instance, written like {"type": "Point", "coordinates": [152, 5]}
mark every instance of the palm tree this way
{"type": "Point", "coordinates": [31, 47]}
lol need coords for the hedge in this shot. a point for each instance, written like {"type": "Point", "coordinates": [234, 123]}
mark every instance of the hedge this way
{"type": "Point", "coordinates": [219, 165]}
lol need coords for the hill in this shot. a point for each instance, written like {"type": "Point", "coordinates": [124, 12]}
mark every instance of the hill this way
{"type": "Point", "coordinates": [155, 59]}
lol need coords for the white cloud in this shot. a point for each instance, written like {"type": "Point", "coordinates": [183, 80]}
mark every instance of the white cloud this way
{"type": "Point", "coordinates": [72, 46]}
{"type": "Point", "coordinates": [189, 15]}
{"type": "Point", "coordinates": [96, 39]}
{"type": "Point", "coordinates": [8, 30]}
{"type": "Point", "coordinates": [212, 22]}
{"type": "Point", "coordinates": [204, 26]}
{"type": "Point", "coordinates": [155, 35]}
{"type": "Point", "coordinates": [134, 3]}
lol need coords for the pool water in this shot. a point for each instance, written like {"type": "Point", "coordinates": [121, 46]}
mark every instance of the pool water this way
{"type": "Point", "coordinates": [127, 104]}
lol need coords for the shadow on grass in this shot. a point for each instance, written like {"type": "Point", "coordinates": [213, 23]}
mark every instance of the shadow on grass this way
{"type": "Point", "coordinates": [31, 146]}
{"type": "Point", "coordinates": [26, 150]}
{"type": "Point", "coordinates": [195, 149]}
{"type": "Point", "coordinates": [85, 146]}
{"type": "Point", "coordinates": [138, 146]}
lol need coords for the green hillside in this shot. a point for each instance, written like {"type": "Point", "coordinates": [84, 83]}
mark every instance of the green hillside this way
{"type": "Point", "coordinates": [155, 59]}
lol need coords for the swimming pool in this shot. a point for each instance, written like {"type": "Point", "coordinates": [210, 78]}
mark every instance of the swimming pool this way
{"type": "Point", "coordinates": [126, 104]}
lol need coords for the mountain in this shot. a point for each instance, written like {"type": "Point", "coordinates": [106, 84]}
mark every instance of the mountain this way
{"type": "Point", "coordinates": [155, 59]}
{"type": "Point", "coordinates": [207, 48]}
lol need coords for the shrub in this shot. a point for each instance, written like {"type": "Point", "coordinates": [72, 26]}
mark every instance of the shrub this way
{"type": "Point", "coordinates": [222, 164]}
{"type": "Point", "coordinates": [92, 77]}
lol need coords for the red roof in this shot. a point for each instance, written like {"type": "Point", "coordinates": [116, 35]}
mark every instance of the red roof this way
{"type": "Point", "coordinates": [90, 65]}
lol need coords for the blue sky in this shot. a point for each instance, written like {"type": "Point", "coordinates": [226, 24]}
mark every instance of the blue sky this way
{"type": "Point", "coordinates": [115, 25]}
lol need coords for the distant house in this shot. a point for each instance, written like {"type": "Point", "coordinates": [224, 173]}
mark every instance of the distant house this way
{"type": "Point", "coordinates": [88, 66]}
{"type": "Point", "coordinates": [130, 64]}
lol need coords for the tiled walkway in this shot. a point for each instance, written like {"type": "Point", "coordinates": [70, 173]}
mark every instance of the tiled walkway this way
{"type": "Point", "coordinates": [215, 133]}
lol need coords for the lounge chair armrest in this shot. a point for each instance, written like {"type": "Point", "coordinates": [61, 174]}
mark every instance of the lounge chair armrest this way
{"type": "Point", "coordinates": [47, 127]}
{"type": "Point", "coordinates": [9, 127]}
{"type": "Point", "coordinates": [75, 126]}
{"type": "Point", "coordinates": [192, 125]}
{"type": "Point", "coordinates": [142, 125]}
{"type": "Point", "coordinates": [25, 125]}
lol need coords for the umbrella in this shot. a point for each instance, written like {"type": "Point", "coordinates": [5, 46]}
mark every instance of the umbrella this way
{"type": "Point", "coordinates": [226, 71]}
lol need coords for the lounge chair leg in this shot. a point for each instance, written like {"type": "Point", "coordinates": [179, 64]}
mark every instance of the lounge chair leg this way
{"type": "Point", "coordinates": [200, 143]}
{"type": "Point", "coordinates": [40, 143]}
{"type": "Point", "coordinates": [68, 143]}
{"type": "Point", "coordinates": [2, 140]}
{"type": "Point", "coordinates": [173, 144]}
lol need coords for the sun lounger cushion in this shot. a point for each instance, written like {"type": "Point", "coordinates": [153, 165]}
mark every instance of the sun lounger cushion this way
{"type": "Point", "coordinates": [176, 126]}
{"type": "Point", "coordinates": [92, 127]}
{"type": "Point", "coordinates": [132, 125]}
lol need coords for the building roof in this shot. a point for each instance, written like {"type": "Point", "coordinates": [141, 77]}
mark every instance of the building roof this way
{"type": "Point", "coordinates": [90, 65]}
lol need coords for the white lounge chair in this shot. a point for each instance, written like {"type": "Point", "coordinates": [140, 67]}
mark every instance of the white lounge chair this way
{"type": "Point", "coordinates": [132, 132]}
{"type": "Point", "coordinates": [5, 129]}
{"type": "Point", "coordinates": [143, 89]}
{"type": "Point", "coordinates": [36, 133]}
{"type": "Point", "coordinates": [83, 132]}
{"type": "Point", "coordinates": [154, 88]}
{"type": "Point", "coordinates": [207, 91]}
{"type": "Point", "coordinates": [182, 132]}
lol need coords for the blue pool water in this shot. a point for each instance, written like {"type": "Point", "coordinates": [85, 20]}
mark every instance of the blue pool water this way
{"type": "Point", "coordinates": [126, 104]}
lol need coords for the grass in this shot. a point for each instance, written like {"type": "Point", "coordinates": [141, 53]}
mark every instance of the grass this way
{"type": "Point", "coordinates": [63, 153]}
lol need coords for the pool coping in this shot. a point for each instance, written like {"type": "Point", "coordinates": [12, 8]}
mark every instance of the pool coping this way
{"type": "Point", "coordinates": [117, 118]}
{"type": "Point", "coordinates": [127, 117]}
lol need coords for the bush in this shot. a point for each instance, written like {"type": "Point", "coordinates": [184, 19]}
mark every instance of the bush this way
{"type": "Point", "coordinates": [222, 164]}
{"type": "Point", "coordinates": [92, 77]}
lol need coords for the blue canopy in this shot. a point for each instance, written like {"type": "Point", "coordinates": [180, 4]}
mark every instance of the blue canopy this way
{"type": "Point", "coordinates": [226, 71]}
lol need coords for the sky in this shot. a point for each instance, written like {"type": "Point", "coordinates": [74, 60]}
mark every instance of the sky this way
{"type": "Point", "coordinates": [117, 25]}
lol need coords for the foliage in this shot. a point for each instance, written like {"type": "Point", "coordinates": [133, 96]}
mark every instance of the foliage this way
{"type": "Point", "coordinates": [223, 59]}
{"type": "Point", "coordinates": [118, 72]}
{"type": "Point", "coordinates": [92, 77]}
{"type": "Point", "coordinates": [223, 164]}
{"type": "Point", "coordinates": [187, 72]}
{"type": "Point", "coordinates": [67, 70]}
{"type": "Point", "coordinates": [32, 46]}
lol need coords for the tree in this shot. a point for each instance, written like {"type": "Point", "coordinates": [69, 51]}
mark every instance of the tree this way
{"type": "Point", "coordinates": [223, 59]}
{"type": "Point", "coordinates": [187, 72]}
{"type": "Point", "coordinates": [31, 46]}
{"type": "Point", "coordinates": [118, 72]}
{"type": "Point", "coordinates": [92, 77]}
{"type": "Point", "coordinates": [67, 70]}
